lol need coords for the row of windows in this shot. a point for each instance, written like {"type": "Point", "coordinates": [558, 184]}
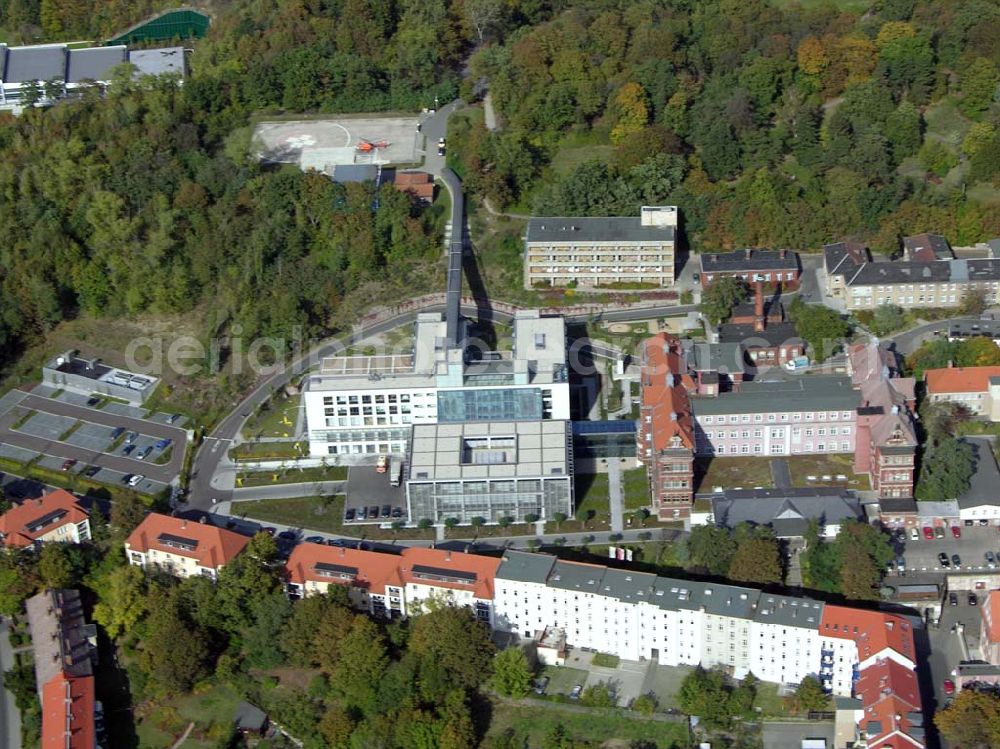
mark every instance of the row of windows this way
{"type": "Point", "coordinates": [796, 432]}
{"type": "Point", "coordinates": [757, 418]}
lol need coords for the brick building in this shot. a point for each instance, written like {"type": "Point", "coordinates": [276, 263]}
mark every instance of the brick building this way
{"type": "Point", "coordinates": [769, 266]}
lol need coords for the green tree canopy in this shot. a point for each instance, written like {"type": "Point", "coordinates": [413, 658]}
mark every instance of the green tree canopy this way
{"type": "Point", "coordinates": [719, 299]}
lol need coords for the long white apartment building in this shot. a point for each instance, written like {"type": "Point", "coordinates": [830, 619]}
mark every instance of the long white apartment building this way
{"type": "Point", "coordinates": [865, 655]}
{"type": "Point", "coordinates": [357, 405]}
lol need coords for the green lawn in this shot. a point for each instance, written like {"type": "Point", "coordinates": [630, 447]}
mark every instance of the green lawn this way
{"type": "Point", "coordinates": [562, 679]}
{"type": "Point", "coordinates": [291, 476]}
{"type": "Point", "coordinates": [276, 418]}
{"type": "Point", "coordinates": [211, 711]}
{"type": "Point", "coordinates": [269, 450]}
{"type": "Point", "coordinates": [531, 725]}
{"type": "Point", "coordinates": [731, 472]}
{"type": "Point", "coordinates": [568, 158]}
{"type": "Point", "coordinates": [635, 484]}
{"type": "Point", "coordinates": [801, 466]}
{"type": "Point", "coordinates": [324, 515]}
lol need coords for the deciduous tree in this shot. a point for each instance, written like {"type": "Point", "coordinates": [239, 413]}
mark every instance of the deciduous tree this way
{"type": "Point", "coordinates": [511, 673]}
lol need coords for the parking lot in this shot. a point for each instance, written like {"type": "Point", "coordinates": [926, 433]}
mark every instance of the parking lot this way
{"type": "Point", "coordinates": [367, 489]}
{"type": "Point", "coordinates": [971, 546]}
{"type": "Point", "coordinates": [54, 432]}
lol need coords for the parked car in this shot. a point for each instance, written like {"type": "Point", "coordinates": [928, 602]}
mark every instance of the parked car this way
{"type": "Point", "coordinates": [973, 601]}
{"type": "Point", "coordinates": [164, 443]}
{"type": "Point", "coordinates": [914, 534]}
{"type": "Point", "coordinates": [67, 464]}
{"type": "Point", "coordinates": [956, 532]}
{"type": "Point", "coordinates": [136, 479]}
{"type": "Point", "coordinates": [440, 146]}
{"type": "Point", "coordinates": [991, 560]}
{"type": "Point", "coordinates": [939, 531]}
{"type": "Point", "coordinates": [349, 515]}
{"type": "Point", "coordinates": [397, 512]}
{"type": "Point", "coordinates": [131, 437]}
{"type": "Point", "coordinates": [373, 512]}
{"type": "Point", "coordinates": [91, 471]}
{"type": "Point", "coordinates": [288, 535]}
{"type": "Point", "coordinates": [900, 564]}
{"type": "Point", "coordinates": [943, 560]}
{"type": "Point", "coordinates": [541, 685]}
{"type": "Point", "coordinates": [117, 432]}
{"type": "Point", "coordinates": [953, 599]}
{"type": "Point", "coordinates": [928, 533]}
{"type": "Point", "coordinates": [127, 450]}
{"type": "Point", "coordinates": [362, 513]}
{"type": "Point", "coordinates": [386, 510]}
{"type": "Point", "coordinates": [93, 400]}
{"type": "Point", "coordinates": [969, 523]}
{"type": "Point", "coordinates": [949, 686]}
{"type": "Point", "coordinates": [144, 453]}
{"type": "Point", "coordinates": [314, 539]}
{"type": "Point", "coordinates": [576, 692]}
{"type": "Point", "coordinates": [173, 418]}
{"type": "Point", "coordinates": [956, 560]}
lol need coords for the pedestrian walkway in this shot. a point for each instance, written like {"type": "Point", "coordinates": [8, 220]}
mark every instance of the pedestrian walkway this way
{"type": "Point", "coordinates": [10, 716]}
{"type": "Point", "coordinates": [615, 496]}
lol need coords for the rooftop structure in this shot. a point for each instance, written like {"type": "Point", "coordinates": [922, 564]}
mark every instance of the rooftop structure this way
{"type": "Point", "coordinates": [767, 266]}
{"type": "Point", "coordinates": [182, 547]}
{"type": "Point", "coordinates": [56, 516]}
{"type": "Point", "coordinates": [62, 640]}
{"type": "Point", "coordinates": [926, 248]}
{"type": "Point", "coordinates": [69, 371]}
{"type": "Point", "coordinates": [490, 470]}
{"type": "Point", "coordinates": [164, 61]}
{"type": "Point", "coordinates": [602, 251]}
{"type": "Point", "coordinates": [787, 511]}
{"type": "Point", "coordinates": [788, 394]}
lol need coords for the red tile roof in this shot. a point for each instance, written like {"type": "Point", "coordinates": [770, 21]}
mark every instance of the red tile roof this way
{"type": "Point", "coordinates": [888, 677]}
{"type": "Point", "coordinates": [991, 615]}
{"type": "Point", "coordinates": [213, 548]}
{"type": "Point", "coordinates": [374, 570]}
{"type": "Point", "coordinates": [872, 631]}
{"type": "Point", "coordinates": [959, 379]}
{"type": "Point", "coordinates": [665, 385]}
{"type": "Point", "coordinates": [18, 525]}
{"type": "Point", "coordinates": [68, 707]}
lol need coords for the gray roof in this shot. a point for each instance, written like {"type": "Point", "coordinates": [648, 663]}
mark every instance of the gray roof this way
{"type": "Point", "coordinates": [355, 173]}
{"type": "Point", "coordinates": [94, 64]}
{"type": "Point", "coordinates": [603, 229]}
{"type": "Point", "coordinates": [59, 634]}
{"type": "Point", "coordinates": [994, 245]}
{"type": "Point", "coordinates": [774, 334]}
{"type": "Point", "coordinates": [944, 271]}
{"type": "Point", "coordinates": [803, 393]}
{"type": "Point", "coordinates": [985, 479]}
{"type": "Point", "coordinates": [628, 586]}
{"type": "Point", "coordinates": [249, 717]}
{"type": "Point", "coordinates": [719, 600]}
{"type": "Point", "coordinates": [788, 611]}
{"type": "Point", "coordinates": [788, 511]}
{"type": "Point", "coordinates": [898, 504]}
{"type": "Point", "coordinates": [37, 63]}
{"type": "Point", "coordinates": [158, 61]}
{"type": "Point", "coordinates": [583, 577]}
{"type": "Point", "coordinates": [524, 567]}
{"type": "Point", "coordinates": [757, 260]}
{"type": "Point", "coordinates": [973, 328]}
{"type": "Point", "coordinates": [842, 256]}
{"type": "Point", "coordinates": [711, 357]}
{"type": "Point", "coordinates": [930, 244]}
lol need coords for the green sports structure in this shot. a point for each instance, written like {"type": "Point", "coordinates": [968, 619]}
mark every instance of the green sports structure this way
{"type": "Point", "coordinates": [183, 23]}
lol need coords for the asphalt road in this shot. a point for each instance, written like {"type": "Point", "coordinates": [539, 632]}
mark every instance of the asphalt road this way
{"type": "Point", "coordinates": [910, 340]}
{"type": "Point", "coordinates": [10, 716]}
{"type": "Point", "coordinates": [164, 473]}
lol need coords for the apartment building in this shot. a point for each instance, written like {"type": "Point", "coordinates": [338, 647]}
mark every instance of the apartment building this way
{"type": "Point", "coordinates": [840, 260]}
{"type": "Point", "coordinates": [975, 388]}
{"type": "Point", "coordinates": [926, 248]}
{"type": "Point", "coordinates": [367, 405]}
{"type": "Point", "coordinates": [56, 516]}
{"type": "Point", "coordinates": [768, 266]}
{"type": "Point", "coordinates": [638, 615]}
{"type": "Point", "coordinates": [64, 646]}
{"type": "Point", "coordinates": [182, 547]}
{"type": "Point", "coordinates": [989, 633]}
{"type": "Point", "coordinates": [395, 585]}
{"type": "Point", "coordinates": [603, 252]}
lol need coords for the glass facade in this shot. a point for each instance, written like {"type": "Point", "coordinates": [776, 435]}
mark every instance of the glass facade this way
{"type": "Point", "coordinates": [489, 404]}
{"type": "Point", "coordinates": [490, 499]}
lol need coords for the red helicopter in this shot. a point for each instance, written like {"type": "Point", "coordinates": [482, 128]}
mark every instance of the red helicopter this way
{"type": "Point", "coordinates": [366, 146]}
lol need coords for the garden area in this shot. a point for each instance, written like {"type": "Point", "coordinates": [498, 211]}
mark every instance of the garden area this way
{"type": "Point", "coordinates": [275, 418]}
{"type": "Point", "coordinates": [732, 472]}
{"type": "Point", "coordinates": [291, 475]}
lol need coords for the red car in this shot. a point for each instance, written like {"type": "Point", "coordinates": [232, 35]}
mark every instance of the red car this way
{"type": "Point", "coordinates": [956, 532]}
{"type": "Point", "coordinates": [949, 686]}
{"type": "Point", "coordinates": [928, 533]}
{"type": "Point", "coordinates": [67, 464]}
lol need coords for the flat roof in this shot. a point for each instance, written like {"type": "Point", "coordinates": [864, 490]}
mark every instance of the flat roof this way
{"type": "Point", "coordinates": [41, 62]}
{"type": "Point", "coordinates": [158, 61]}
{"type": "Point", "coordinates": [803, 393]}
{"type": "Point", "coordinates": [571, 230]}
{"type": "Point", "coordinates": [94, 63]}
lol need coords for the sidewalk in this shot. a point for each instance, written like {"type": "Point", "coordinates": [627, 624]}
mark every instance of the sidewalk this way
{"type": "Point", "coordinates": [10, 716]}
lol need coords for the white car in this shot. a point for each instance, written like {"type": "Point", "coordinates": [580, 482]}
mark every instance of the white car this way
{"type": "Point", "coordinates": [914, 534]}
{"type": "Point", "coordinates": [136, 480]}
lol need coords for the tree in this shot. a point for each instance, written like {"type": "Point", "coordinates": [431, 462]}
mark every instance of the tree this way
{"type": "Point", "coordinates": [424, 523]}
{"type": "Point", "coordinates": [511, 673]}
{"type": "Point", "coordinates": [175, 650]}
{"type": "Point", "coordinates": [599, 695]}
{"type": "Point", "coordinates": [757, 560]}
{"type": "Point", "coordinates": [809, 696]}
{"type": "Point", "coordinates": [973, 304]}
{"type": "Point", "coordinates": [644, 704]}
{"type": "Point", "coordinates": [336, 727]}
{"type": "Point", "coordinates": [455, 641]}
{"type": "Point", "coordinates": [710, 547]}
{"type": "Point", "coordinates": [946, 470]}
{"type": "Point", "coordinates": [262, 642]}
{"type": "Point", "coordinates": [127, 511]}
{"type": "Point", "coordinates": [978, 351]}
{"type": "Point", "coordinates": [59, 565]}
{"type": "Point", "coordinates": [18, 580]}
{"type": "Point", "coordinates": [887, 319]}
{"type": "Point", "coordinates": [123, 602]}
{"type": "Point", "coordinates": [483, 15]}
{"type": "Point", "coordinates": [821, 327]}
{"type": "Point", "coordinates": [253, 574]}
{"type": "Point", "coordinates": [704, 693]}
{"type": "Point", "coordinates": [979, 85]}
{"type": "Point", "coordinates": [972, 719]}
{"type": "Point", "coordinates": [560, 518]}
{"type": "Point", "coordinates": [977, 137]}
{"type": "Point", "coordinates": [457, 728]}
{"type": "Point", "coordinates": [631, 107]}
{"type": "Point", "coordinates": [722, 295]}
{"type": "Point", "coordinates": [361, 661]}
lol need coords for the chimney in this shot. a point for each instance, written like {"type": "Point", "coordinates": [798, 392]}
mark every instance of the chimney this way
{"type": "Point", "coordinates": [782, 254]}
{"type": "Point", "coordinates": [758, 308]}
{"type": "Point", "coordinates": [447, 555]}
{"type": "Point", "coordinates": [342, 551]}
{"type": "Point", "coordinates": [184, 524]}
{"type": "Point", "coordinates": [951, 364]}
{"type": "Point", "coordinates": [748, 251]}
